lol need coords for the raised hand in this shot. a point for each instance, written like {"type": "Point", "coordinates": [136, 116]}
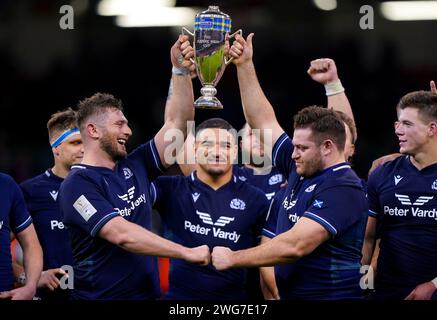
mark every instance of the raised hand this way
{"type": "Point", "coordinates": [433, 87]}
{"type": "Point", "coordinates": [241, 49]}
{"type": "Point", "coordinates": [323, 70]}
{"type": "Point", "coordinates": [181, 52]}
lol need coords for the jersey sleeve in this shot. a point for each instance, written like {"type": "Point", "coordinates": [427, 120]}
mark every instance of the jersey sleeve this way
{"type": "Point", "coordinates": [160, 189]}
{"type": "Point", "coordinates": [84, 206]}
{"type": "Point", "coordinates": [336, 208]}
{"type": "Point", "coordinates": [281, 155]}
{"type": "Point", "coordinates": [19, 215]}
{"type": "Point", "coordinates": [269, 229]}
{"type": "Point", "coordinates": [148, 155]}
{"type": "Point", "coordinates": [262, 208]}
{"type": "Point", "coordinates": [372, 193]}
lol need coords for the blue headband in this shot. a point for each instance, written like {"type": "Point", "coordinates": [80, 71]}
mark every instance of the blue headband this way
{"type": "Point", "coordinates": [64, 136]}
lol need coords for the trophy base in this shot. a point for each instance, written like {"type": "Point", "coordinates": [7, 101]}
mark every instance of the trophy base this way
{"type": "Point", "coordinates": [208, 103]}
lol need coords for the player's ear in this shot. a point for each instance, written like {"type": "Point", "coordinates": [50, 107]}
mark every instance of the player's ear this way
{"type": "Point", "coordinates": [327, 147]}
{"type": "Point", "coordinates": [56, 152]}
{"type": "Point", "coordinates": [432, 129]}
{"type": "Point", "coordinates": [92, 130]}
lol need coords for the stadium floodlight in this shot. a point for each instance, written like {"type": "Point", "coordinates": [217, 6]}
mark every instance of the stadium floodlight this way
{"type": "Point", "coordinates": [409, 10]}
{"type": "Point", "coordinates": [326, 5]}
{"type": "Point", "coordinates": [128, 7]}
{"type": "Point", "coordinates": [158, 17]}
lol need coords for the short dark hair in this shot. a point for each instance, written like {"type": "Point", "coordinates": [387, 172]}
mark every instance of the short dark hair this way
{"type": "Point", "coordinates": [324, 123]}
{"type": "Point", "coordinates": [424, 101]}
{"type": "Point", "coordinates": [61, 121]}
{"type": "Point", "coordinates": [350, 123]}
{"type": "Point", "coordinates": [96, 104]}
{"type": "Point", "coordinates": [216, 123]}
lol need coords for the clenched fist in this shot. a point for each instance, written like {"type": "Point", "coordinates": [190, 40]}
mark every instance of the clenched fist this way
{"type": "Point", "coordinates": [221, 258]}
{"type": "Point", "coordinates": [323, 71]}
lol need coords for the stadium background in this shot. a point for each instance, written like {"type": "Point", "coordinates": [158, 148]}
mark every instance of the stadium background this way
{"type": "Point", "coordinates": [44, 68]}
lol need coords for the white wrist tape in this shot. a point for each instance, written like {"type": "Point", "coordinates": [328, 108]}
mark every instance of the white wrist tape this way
{"type": "Point", "coordinates": [434, 281]}
{"type": "Point", "coordinates": [333, 88]}
{"type": "Point", "coordinates": [180, 71]}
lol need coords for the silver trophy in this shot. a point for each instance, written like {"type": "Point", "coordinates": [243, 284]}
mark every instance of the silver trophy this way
{"type": "Point", "coordinates": [211, 28]}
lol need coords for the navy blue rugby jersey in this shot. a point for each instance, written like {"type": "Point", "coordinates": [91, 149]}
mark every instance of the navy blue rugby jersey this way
{"type": "Point", "coordinates": [41, 196]}
{"type": "Point", "coordinates": [15, 218]}
{"type": "Point", "coordinates": [195, 214]}
{"type": "Point", "coordinates": [269, 183]}
{"type": "Point", "coordinates": [404, 199]}
{"type": "Point", "coordinates": [90, 197]}
{"type": "Point", "coordinates": [269, 229]}
{"type": "Point", "coordinates": [335, 199]}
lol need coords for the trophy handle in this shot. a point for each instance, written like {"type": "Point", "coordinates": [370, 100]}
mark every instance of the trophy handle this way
{"type": "Point", "coordinates": [240, 32]}
{"type": "Point", "coordinates": [185, 31]}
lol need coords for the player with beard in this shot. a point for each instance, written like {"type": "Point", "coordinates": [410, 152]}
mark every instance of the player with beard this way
{"type": "Point", "coordinates": [211, 206]}
{"type": "Point", "coordinates": [106, 201]}
{"type": "Point", "coordinates": [321, 221]}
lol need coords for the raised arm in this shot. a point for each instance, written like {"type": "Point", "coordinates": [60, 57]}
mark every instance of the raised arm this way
{"type": "Point", "coordinates": [179, 108]}
{"type": "Point", "coordinates": [186, 157]}
{"type": "Point", "coordinates": [257, 109]}
{"type": "Point", "coordinates": [324, 71]}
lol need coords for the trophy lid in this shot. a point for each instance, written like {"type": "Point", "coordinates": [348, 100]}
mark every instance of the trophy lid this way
{"type": "Point", "coordinates": [212, 19]}
{"type": "Point", "coordinates": [213, 11]}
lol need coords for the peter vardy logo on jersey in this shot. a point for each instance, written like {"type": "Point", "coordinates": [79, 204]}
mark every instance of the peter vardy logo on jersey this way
{"type": "Point", "coordinates": [311, 188]}
{"type": "Point", "coordinates": [270, 195]}
{"type": "Point", "coordinates": [277, 178]}
{"type": "Point", "coordinates": [206, 218]}
{"type": "Point", "coordinates": [216, 232]}
{"type": "Point", "coordinates": [289, 204]}
{"type": "Point", "coordinates": [398, 179]}
{"type": "Point", "coordinates": [129, 195]}
{"type": "Point", "coordinates": [434, 185]}
{"type": "Point", "coordinates": [127, 173]}
{"type": "Point", "coordinates": [195, 196]}
{"type": "Point", "coordinates": [126, 211]}
{"type": "Point", "coordinates": [54, 194]}
{"type": "Point", "coordinates": [293, 217]}
{"type": "Point", "coordinates": [55, 224]}
{"type": "Point", "coordinates": [405, 200]}
{"type": "Point", "coordinates": [416, 212]}
{"type": "Point", "coordinates": [237, 204]}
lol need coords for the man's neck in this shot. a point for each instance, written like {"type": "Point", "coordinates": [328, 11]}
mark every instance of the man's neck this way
{"type": "Point", "coordinates": [60, 170]}
{"type": "Point", "coordinates": [98, 158]}
{"type": "Point", "coordinates": [424, 159]}
{"type": "Point", "coordinates": [214, 182]}
{"type": "Point", "coordinates": [332, 161]}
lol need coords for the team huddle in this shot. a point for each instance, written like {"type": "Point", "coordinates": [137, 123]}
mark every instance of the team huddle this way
{"type": "Point", "coordinates": [299, 224]}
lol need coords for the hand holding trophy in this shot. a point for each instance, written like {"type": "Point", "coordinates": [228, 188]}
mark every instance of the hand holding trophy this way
{"type": "Point", "coordinates": [211, 29]}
